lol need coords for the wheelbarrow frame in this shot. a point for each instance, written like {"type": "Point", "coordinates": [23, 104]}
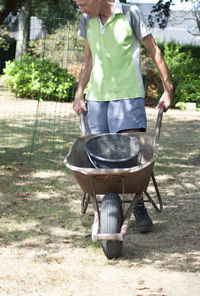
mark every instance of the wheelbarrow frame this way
{"type": "Point", "coordinates": [116, 180]}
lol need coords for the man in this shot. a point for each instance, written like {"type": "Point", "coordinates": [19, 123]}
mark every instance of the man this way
{"type": "Point", "coordinates": [111, 70]}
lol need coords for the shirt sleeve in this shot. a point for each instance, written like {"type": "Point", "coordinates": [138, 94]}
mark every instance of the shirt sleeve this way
{"type": "Point", "coordinates": [139, 25]}
{"type": "Point", "coordinates": [82, 30]}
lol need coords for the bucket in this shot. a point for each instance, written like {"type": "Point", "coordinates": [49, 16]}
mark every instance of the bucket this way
{"type": "Point", "coordinates": [112, 151]}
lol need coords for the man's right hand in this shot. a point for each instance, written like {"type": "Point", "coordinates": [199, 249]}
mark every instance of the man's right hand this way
{"type": "Point", "coordinates": [78, 104]}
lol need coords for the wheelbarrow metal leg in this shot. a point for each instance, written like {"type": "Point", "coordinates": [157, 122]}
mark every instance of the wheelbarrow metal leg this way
{"type": "Point", "coordinates": [160, 208]}
{"type": "Point", "coordinates": [95, 227]}
{"type": "Point", "coordinates": [114, 236]}
{"type": "Point", "coordinates": [130, 210]}
{"type": "Point", "coordinates": [84, 203]}
{"type": "Point", "coordinates": [96, 223]}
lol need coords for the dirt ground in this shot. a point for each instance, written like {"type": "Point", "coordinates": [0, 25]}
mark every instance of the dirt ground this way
{"type": "Point", "coordinates": [45, 244]}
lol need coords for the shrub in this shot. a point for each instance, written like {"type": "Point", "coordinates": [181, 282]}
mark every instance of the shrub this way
{"type": "Point", "coordinates": [184, 69]}
{"type": "Point", "coordinates": [7, 47]}
{"type": "Point", "coordinates": [39, 79]}
{"type": "Point", "coordinates": [5, 39]}
{"type": "Point", "coordinates": [185, 73]}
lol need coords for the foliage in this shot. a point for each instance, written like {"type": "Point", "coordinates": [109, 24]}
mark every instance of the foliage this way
{"type": "Point", "coordinates": [39, 79]}
{"type": "Point", "coordinates": [9, 6]}
{"type": "Point", "coordinates": [185, 73]}
{"type": "Point", "coordinates": [160, 13]}
{"type": "Point", "coordinates": [5, 39]}
{"type": "Point", "coordinates": [182, 106]}
{"type": "Point", "coordinates": [53, 13]}
{"type": "Point", "coordinates": [39, 8]}
{"type": "Point", "coordinates": [194, 49]}
{"type": "Point", "coordinates": [7, 47]}
{"type": "Point", "coordinates": [63, 47]}
{"type": "Point", "coordinates": [63, 42]}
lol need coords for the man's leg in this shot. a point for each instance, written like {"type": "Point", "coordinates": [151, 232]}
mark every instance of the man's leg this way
{"type": "Point", "coordinates": [96, 117]}
{"type": "Point", "coordinates": [143, 222]}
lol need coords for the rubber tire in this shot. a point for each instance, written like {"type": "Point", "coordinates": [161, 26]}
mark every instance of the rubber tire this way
{"type": "Point", "coordinates": [111, 217]}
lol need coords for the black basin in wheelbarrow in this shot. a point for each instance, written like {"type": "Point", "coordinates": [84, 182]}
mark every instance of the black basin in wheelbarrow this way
{"type": "Point", "coordinates": [112, 150]}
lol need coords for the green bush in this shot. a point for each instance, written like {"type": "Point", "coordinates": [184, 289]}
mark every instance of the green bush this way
{"type": "Point", "coordinates": [39, 79]}
{"type": "Point", "coordinates": [194, 49]}
{"type": "Point", "coordinates": [184, 69]}
{"type": "Point", "coordinates": [185, 73]}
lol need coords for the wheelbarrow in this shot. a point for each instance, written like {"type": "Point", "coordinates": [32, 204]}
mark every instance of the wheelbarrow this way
{"type": "Point", "coordinates": [111, 215]}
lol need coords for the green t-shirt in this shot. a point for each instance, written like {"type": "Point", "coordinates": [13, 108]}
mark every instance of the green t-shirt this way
{"type": "Point", "coordinates": [115, 48]}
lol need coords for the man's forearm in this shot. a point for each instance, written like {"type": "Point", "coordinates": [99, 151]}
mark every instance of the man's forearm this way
{"type": "Point", "coordinates": [163, 70]}
{"type": "Point", "coordinates": [157, 57]}
{"type": "Point", "coordinates": [167, 97]}
{"type": "Point", "coordinates": [79, 102]}
{"type": "Point", "coordinates": [84, 77]}
{"type": "Point", "coordinates": [85, 70]}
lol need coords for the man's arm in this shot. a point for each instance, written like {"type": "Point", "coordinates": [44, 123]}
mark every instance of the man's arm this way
{"type": "Point", "coordinates": [157, 57]}
{"type": "Point", "coordinates": [79, 102]}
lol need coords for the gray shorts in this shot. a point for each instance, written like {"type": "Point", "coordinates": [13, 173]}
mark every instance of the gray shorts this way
{"type": "Point", "coordinates": [115, 116]}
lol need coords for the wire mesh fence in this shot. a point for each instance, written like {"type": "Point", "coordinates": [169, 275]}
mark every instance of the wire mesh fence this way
{"type": "Point", "coordinates": [40, 132]}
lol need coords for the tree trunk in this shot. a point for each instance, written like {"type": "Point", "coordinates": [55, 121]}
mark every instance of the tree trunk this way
{"type": "Point", "coordinates": [24, 17]}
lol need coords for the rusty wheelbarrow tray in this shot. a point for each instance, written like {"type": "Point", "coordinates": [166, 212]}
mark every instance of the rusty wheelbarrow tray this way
{"type": "Point", "coordinates": [134, 180]}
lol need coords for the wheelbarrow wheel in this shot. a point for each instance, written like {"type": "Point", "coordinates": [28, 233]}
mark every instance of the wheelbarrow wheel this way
{"type": "Point", "coordinates": [111, 218]}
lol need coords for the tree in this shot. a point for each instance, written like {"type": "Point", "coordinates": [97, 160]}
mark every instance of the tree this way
{"type": "Point", "coordinates": [193, 16]}
{"type": "Point", "coordinates": [24, 17]}
{"type": "Point", "coordinates": [51, 18]}
{"type": "Point", "coordinates": [54, 13]}
{"type": "Point", "coordinates": [13, 6]}
{"type": "Point", "coordinates": [161, 12]}
{"type": "Point", "coordinates": [9, 6]}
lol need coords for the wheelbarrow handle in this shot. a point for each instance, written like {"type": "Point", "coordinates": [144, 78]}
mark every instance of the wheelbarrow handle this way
{"type": "Point", "coordinates": [159, 123]}
{"type": "Point", "coordinates": [82, 122]}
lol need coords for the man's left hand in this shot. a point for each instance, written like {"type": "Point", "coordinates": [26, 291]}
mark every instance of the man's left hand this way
{"type": "Point", "coordinates": [165, 101]}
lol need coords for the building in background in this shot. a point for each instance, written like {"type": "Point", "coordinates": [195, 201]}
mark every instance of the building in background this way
{"type": "Point", "coordinates": [36, 30]}
{"type": "Point", "coordinates": [181, 25]}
